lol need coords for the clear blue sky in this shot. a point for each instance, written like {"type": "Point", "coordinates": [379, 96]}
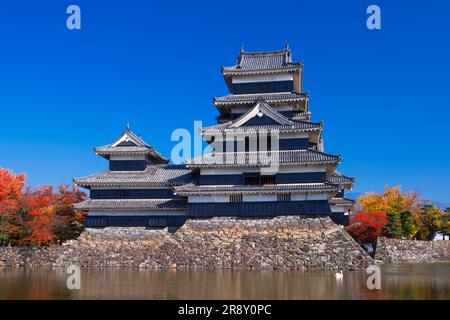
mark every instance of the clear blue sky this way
{"type": "Point", "coordinates": [383, 95]}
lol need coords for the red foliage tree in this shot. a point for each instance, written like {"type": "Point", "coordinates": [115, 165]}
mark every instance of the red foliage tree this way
{"type": "Point", "coordinates": [365, 228]}
{"type": "Point", "coordinates": [11, 186]}
{"type": "Point", "coordinates": [37, 215]}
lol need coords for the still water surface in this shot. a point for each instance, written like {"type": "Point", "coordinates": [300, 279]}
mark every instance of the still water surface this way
{"type": "Point", "coordinates": [421, 281]}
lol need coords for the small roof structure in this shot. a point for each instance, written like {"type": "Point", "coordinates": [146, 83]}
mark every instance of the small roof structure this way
{"type": "Point", "coordinates": [340, 179]}
{"type": "Point", "coordinates": [260, 109]}
{"type": "Point", "coordinates": [262, 62]}
{"type": "Point", "coordinates": [131, 144]}
{"type": "Point", "coordinates": [342, 202]}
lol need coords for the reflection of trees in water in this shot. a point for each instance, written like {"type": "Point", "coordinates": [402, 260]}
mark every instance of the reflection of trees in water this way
{"type": "Point", "coordinates": [398, 282]}
{"type": "Point", "coordinates": [33, 283]}
{"type": "Point", "coordinates": [410, 281]}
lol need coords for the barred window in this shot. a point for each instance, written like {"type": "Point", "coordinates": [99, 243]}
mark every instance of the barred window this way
{"type": "Point", "coordinates": [236, 198]}
{"type": "Point", "coordinates": [284, 197]}
{"type": "Point", "coordinates": [254, 180]}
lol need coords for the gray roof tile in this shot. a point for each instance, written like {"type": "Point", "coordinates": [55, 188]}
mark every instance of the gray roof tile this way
{"type": "Point", "coordinates": [297, 126]}
{"type": "Point", "coordinates": [340, 179]}
{"type": "Point", "coordinates": [265, 61]}
{"type": "Point", "coordinates": [256, 158]}
{"type": "Point", "coordinates": [153, 175]}
{"type": "Point", "coordinates": [284, 125]}
{"type": "Point", "coordinates": [193, 189]}
{"type": "Point", "coordinates": [345, 202]}
{"type": "Point", "coordinates": [132, 204]}
{"type": "Point", "coordinates": [252, 98]}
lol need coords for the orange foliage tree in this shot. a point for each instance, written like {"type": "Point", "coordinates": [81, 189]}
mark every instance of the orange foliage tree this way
{"type": "Point", "coordinates": [365, 228]}
{"type": "Point", "coordinates": [392, 200]}
{"type": "Point", "coordinates": [30, 216]}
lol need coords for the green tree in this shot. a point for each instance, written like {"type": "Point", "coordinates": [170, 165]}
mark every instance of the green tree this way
{"type": "Point", "coordinates": [408, 223]}
{"type": "Point", "coordinates": [446, 224]}
{"type": "Point", "coordinates": [429, 222]}
{"type": "Point", "coordinates": [4, 236]}
{"type": "Point", "coordinates": [393, 227]}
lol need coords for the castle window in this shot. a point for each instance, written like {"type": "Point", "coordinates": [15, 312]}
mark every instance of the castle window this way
{"type": "Point", "coordinates": [284, 197]}
{"type": "Point", "coordinates": [236, 198]}
{"type": "Point", "coordinates": [256, 180]}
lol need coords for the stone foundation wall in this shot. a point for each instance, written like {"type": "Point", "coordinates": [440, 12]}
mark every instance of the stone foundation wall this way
{"type": "Point", "coordinates": [281, 243]}
{"type": "Point", "coordinates": [412, 251]}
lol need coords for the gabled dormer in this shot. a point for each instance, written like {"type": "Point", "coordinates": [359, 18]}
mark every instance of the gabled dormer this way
{"type": "Point", "coordinates": [261, 114]}
{"type": "Point", "coordinates": [130, 152]}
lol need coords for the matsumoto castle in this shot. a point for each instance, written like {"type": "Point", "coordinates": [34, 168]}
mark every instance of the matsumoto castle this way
{"type": "Point", "coordinates": [267, 160]}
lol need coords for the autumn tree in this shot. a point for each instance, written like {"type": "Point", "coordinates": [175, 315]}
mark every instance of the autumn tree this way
{"type": "Point", "coordinates": [365, 228]}
{"type": "Point", "coordinates": [11, 222]}
{"type": "Point", "coordinates": [429, 222]}
{"type": "Point", "coordinates": [391, 200]}
{"type": "Point", "coordinates": [30, 216]}
{"type": "Point", "coordinates": [71, 223]}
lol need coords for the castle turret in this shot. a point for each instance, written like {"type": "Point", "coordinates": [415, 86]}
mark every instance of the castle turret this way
{"type": "Point", "coordinates": [136, 190]}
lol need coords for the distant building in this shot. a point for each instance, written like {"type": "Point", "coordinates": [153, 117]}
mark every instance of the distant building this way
{"type": "Point", "coordinates": [268, 159]}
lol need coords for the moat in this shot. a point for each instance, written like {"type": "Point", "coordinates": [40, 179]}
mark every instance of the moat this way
{"type": "Point", "coordinates": [401, 281]}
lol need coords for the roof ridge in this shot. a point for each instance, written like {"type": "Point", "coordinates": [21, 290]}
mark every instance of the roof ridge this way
{"type": "Point", "coordinates": [268, 52]}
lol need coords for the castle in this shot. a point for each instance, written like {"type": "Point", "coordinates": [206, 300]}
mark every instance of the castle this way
{"type": "Point", "coordinates": [267, 160]}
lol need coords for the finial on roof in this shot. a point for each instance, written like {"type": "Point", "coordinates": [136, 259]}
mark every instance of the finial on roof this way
{"type": "Point", "coordinates": [242, 47]}
{"type": "Point", "coordinates": [128, 126]}
{"type": "Point", "coordinates": [286, 45]}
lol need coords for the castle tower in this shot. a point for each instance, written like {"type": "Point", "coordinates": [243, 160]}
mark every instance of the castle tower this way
{"type": "Point", "coordinates": [267, 156]}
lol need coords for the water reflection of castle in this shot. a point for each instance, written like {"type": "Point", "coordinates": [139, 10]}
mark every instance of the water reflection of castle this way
{"type": "Point", "coordinates": [265, 119]}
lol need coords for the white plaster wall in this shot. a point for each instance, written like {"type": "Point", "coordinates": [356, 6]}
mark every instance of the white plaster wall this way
{"type": "Point", "coordinates": [281, 107]}
{"type": "Point", "coordinates": [122, 157]}
{"type": "Point", "coordinates": [293, 135]}
{"type": "Point", "coordinates": [310, 196]}
{"type": "Point", "coordinates": [263, 78]}
{"type": "Point", "coordinates": [259, 197]}
{"type": "Point", "coordinates": [299, 169]}
{"type": "Point", "coordinates": [208, 199]}
{"type": "Point", "coordinates": [338, 209]}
